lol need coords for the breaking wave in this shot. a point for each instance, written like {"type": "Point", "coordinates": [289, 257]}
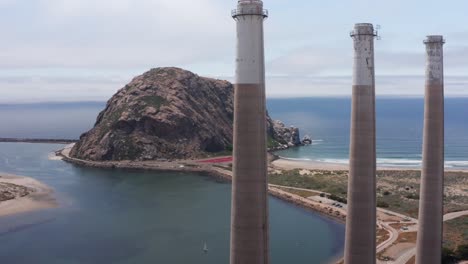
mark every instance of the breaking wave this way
{"type": "Point", "coordinates": [393, 162]}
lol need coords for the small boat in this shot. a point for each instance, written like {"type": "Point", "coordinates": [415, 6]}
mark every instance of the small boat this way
{"type": "Point", "coordinates": [205, 248]}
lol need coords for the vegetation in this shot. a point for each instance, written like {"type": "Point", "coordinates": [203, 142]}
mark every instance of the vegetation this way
{"type": "Point", "coordinates": [412, 196]}
{"type": "Point", "coordinates": [456, 233]}
{"type": "Point", "coordinates": [154, 101]}
{"type": "Point", "coordinates": [450, 256]}
{"type": "Point", "coordinates": [382, 204]}
{"type": "Point", "coordinates": [229, 148]}
{"type": "Point", "coordinates": [324, 181]}
{"type": "Point", "coordinates": [337, 198]}
{"type": "Point", "coordinates": [302, 193]}
{"type": "Point", "coordinates": [396, 190]}
{"type": "Point", "coordinates": [271, 142]}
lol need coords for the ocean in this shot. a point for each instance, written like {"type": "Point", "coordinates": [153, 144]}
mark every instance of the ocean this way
{"type": "Point", "coordinates": [326, 120]}
{"type": "Point", "coordinates": [399, 129]}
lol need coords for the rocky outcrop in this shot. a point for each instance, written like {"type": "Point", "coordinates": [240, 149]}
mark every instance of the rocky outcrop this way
{"type": "Point", "coordinates": [168, 113]}
{"type": "Point", "coordinates": [306, 140]}
{"type": "Point", "coordinates": [285, 136]}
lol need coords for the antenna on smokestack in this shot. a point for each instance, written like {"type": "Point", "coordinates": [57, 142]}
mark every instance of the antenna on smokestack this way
{"type": "Point", "coordinates": [377, 35]}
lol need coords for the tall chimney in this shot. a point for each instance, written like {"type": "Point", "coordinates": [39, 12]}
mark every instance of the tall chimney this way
{"type": "Point", "coordinates": [429, 241]}
{"type": "Point", "coordinates": [249, 209]}
{"type": "Point", "coordinates": [361, 220]}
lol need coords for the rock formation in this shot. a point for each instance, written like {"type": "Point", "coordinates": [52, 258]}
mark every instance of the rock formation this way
{"type": "Point", "coordinates": [285, 137]}
{"type": "Point", "coordinates": [306, 140]}
{"type": "Point", "coordinates": [169, 113]}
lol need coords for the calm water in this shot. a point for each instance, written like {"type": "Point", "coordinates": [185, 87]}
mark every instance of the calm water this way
{"type": "Point", "coordinates": [116, 216]}
{"type": "Point", "coordinates": [399, 129]}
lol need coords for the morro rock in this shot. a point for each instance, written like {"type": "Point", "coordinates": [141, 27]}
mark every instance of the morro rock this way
{"type": "Point", "coordinates": [167, 113]}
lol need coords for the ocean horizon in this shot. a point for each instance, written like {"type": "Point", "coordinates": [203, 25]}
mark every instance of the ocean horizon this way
{"type": "Point", "coordinates": [325, 119]}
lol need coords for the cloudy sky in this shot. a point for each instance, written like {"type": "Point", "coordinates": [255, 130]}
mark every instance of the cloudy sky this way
{"type": "Point", "coordinates": [84, 50]}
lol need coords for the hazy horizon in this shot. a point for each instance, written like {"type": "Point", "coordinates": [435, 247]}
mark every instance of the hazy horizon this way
{"type": "Point", "coordinates": [86, 50]}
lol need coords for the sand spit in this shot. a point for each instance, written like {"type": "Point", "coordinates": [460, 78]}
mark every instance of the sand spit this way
{"type": "Point", "coordinates": [20, 194]}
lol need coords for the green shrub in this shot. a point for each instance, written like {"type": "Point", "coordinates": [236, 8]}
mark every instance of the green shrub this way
{"type": "Point", "coordinates": [448, 256]}
{"type": "Point", "coordinates": [382, 204]}
{"type": "Point", "coordinates": [462, 252]}
{"type": "Point", "coordinates": [412, 196]}
{"type": "Point", "coordinates": [337, 198]}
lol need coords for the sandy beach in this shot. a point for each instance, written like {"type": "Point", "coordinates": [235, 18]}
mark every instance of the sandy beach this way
{"type": "Point", "coordinates": [288, 164]}
{"type": "Point", "coordinates": [23, 194]}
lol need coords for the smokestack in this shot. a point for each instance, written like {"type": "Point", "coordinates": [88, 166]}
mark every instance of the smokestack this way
{"type": "Point", "coordinates": [429, 241]}
{"type": "Point", "coordinates": [361, 219]}
{"type": "Point", "coordinates": [249, 209]}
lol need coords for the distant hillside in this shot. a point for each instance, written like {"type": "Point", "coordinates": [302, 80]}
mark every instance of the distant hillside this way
{"type": "Point", "coordinates": [169, 113]}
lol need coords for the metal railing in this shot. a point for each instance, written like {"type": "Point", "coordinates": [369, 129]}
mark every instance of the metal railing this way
{"type": "Point", "coordinates": [374, 33]}
{"type": "Point", "coordinates": [441, 40]}
{"type": "Point", "coordinates": [236, 12]}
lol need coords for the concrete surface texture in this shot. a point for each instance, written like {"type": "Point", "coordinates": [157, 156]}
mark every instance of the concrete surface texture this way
{"type": "Point", "coordinates": [360, 242]}
{"type": "Point", "coordinates": [429, 240]}
{"type": "Point", "coordinates": [249, 211]}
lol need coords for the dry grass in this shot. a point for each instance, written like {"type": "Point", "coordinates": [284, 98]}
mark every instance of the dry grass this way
{"type": "Point", "coordinates": [397, 189]}
{"type": "Point", "coordinates": [326, 181]}
{"type": "Point", "coordinates": [455, 232]}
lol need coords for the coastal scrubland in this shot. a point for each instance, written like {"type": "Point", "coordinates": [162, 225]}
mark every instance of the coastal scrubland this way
{"type": "Point", "coordinates": [397, 190]}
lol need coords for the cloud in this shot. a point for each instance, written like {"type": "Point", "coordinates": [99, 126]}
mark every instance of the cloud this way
{"type": "Point", "coordinates": [87, 49]}
{"type": "Point", "coordinates": [311, 61]}
{"type": "Point", "coordinates": [28, 89]}
{"type": "Point", "coordinates": [386, 85]}
{"type": "Point", "coordinates": [116, 34]}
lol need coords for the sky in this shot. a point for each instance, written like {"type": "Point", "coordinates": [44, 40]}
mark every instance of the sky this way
{"type": "Point", "coordinates": [85, 50]}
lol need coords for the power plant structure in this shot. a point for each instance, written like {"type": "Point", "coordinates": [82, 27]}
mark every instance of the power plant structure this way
{"type": "Point", "coordinates": [249, 209]}
{"type": "Point", "coordinates": [429, 238]}
{"type": "Point", "coordinates": [360, 241]}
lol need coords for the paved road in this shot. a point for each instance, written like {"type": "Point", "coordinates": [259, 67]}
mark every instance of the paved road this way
{"type": "Point", "coordinates": [454, 215]}
{"type": "Point", "coordinates": [393, 236]}
{"type": "Point", "coordinates": [295, 188]}
{"type": "Point", "coordinates": [397, 214]}
{"type": "Point", "coordinates": [403, 259]}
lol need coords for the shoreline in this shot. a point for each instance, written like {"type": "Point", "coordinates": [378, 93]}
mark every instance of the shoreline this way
{"type": "Point", "coordinates": [37, 140]}
{"type": "Point", "coordinates": [388, 245]}
{"type": "Point", "coordinates": [39, 196]}
{"type": "Point", "coordinates": [214, 171]}
{"type": "Point", "coordinates": [289, 164]}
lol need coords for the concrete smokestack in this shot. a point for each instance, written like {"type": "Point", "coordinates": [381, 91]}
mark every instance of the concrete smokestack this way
{"type": "Point", "coordinates": [361, 220]}
{"type": "Point", "coordinates": [249, 209]}
{"type": "Point", "coordinates": [429, 241]}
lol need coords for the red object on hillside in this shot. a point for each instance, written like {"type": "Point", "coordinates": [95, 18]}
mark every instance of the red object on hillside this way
{"type": "Point", "coordinates": [217, 160]}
